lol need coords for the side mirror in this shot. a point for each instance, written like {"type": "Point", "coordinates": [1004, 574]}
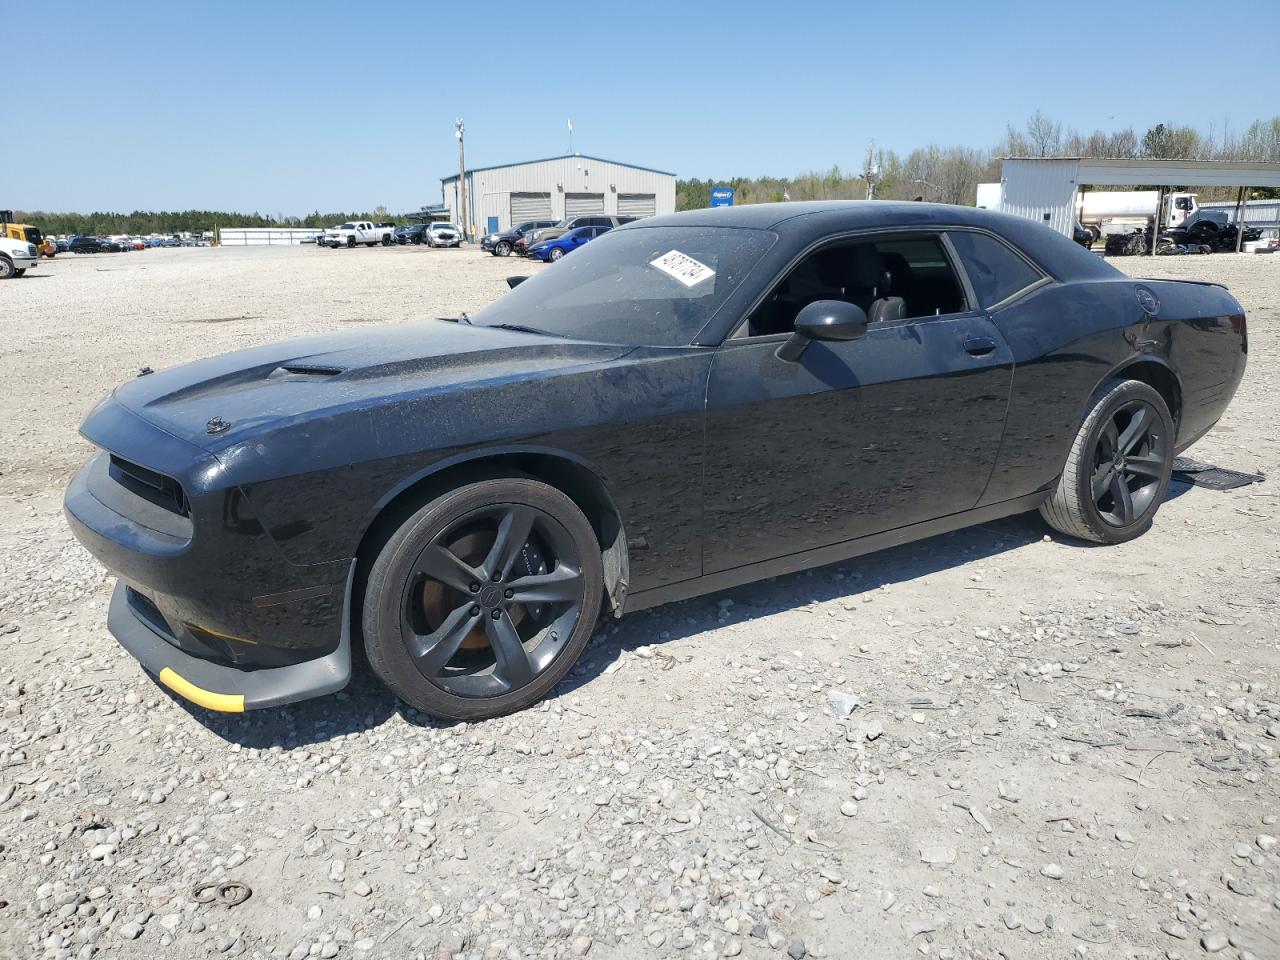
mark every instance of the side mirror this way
{"type": "Point", "coordinates": [823, 320]}
{"type": "Point", "coordinates": [513, 282]}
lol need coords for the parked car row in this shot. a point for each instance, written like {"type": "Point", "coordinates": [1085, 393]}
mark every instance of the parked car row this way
{"type": "Point", "coordinates": [367, 233]}
{"type": "Point", "coordinates": [121, 244]}
{"type": "Point", "coordinates": [523, 238]}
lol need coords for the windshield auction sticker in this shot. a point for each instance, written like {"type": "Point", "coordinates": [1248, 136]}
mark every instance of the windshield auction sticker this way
{"type": "Point", "coordinates": [685, 269]}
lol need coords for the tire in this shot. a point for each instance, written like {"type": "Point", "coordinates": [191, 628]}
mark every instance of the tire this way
{"type": "Point", "coordinates": [6, 268]}
{"type": "Point", "coordinates": [556, 254]}
{"type": "Point", "coordinates": [386, 241]}
{"type": "Point", "coordinates": [502, 249]}
{"type": "Point", "coordinates": [351, 243]}
{"type": "Point", "coordinates": [1112, 485]}
{"type": "Point", "coordinates": [431, 588]}
{"type": "Point", "coordinates": [20, 272]}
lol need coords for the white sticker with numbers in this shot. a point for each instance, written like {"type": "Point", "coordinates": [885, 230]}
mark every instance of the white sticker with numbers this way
{"type": "Point", "coordinates": [684, 268]}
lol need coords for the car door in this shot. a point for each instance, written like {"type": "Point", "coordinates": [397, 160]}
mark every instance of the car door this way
{"type": "Point", "coordinates": [855, 438]}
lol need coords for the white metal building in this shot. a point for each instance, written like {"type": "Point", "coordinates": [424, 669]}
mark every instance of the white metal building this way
{"type": "Point", "coordinates": [559, 187]}
{"type": "Point", "coordinates": [1044, 188]}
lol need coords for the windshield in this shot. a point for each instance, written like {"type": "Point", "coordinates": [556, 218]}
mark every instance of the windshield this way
{"type": "Point", "coordinates": [347, 226]}
{"type": "Point", "coordinates": [612, 290]}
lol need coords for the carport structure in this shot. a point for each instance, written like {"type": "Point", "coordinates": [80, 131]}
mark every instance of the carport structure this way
{"type": "Point", "coordinates": [1045, 189]}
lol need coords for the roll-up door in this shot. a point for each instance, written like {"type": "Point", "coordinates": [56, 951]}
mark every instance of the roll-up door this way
{"type": "Point", "coordinates": [530, 206]}
{"type": "Point", "coordinates": [637, 204]}
{"type": "Point", "coordinates": [583, 204]}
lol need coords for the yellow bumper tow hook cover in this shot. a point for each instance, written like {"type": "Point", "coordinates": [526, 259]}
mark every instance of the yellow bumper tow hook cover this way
{"type": "Point", "coordinates": [223, 702]}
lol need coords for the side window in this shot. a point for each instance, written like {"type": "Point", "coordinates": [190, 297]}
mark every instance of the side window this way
{"type": "Point", "coordinates": [995, 271]}
{"type": "Point", "coordinates": [893, 278]}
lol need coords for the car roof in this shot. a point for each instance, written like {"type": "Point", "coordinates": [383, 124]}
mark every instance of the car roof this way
{"type": "Point", "coordinates": [805, 222]}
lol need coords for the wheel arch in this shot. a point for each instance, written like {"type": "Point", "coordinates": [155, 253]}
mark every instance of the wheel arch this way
{"type": "Point", "coordinates": [569, 474]}
{"type": "Point", "coordinates": [1156, 373]}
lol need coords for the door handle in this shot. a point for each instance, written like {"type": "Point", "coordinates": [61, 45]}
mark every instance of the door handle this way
{"type": "Point", "coordinates": [979, 346]}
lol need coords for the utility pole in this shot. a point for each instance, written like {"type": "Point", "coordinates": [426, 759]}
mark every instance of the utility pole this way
{"type": "Point", "coordinates": [462, 178]}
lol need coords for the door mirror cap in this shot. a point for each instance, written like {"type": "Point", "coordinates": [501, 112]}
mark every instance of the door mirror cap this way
{"type": "Point", "coordinates": [513, 282]}
{"type": "Point", "coordinates": [823, 320]}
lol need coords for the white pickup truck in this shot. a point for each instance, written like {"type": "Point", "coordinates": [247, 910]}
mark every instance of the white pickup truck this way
{"type": "Point", "coordinates": [360, 231]}
{"type": "Point", "coordinates": [16, 257]}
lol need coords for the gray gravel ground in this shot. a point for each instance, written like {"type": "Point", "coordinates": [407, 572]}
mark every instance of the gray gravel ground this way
{"type": "Point", "coordinates": [991, 744]}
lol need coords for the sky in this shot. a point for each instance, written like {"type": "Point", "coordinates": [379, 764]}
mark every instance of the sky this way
{"type": "Point", "coordinates": [293, 107]}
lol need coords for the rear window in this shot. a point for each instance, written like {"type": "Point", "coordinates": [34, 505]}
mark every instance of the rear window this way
{"type": "Point", "coordinates": [995, 270]}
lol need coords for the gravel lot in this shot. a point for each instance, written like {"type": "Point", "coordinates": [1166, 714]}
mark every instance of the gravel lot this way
{"type": "Point", "coordinates": [1056, 750]}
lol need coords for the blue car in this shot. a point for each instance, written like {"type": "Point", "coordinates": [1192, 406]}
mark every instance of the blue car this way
{"type": "Point", "coordinates": [553, 250]}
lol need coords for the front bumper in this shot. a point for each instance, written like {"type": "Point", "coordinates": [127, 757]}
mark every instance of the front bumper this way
{"type": "Point", "coordinates": [25, 263]}
{"type": "Point", "coordinates": [215, 599]}
{"type": "Point", "coordinates": [222, 687]}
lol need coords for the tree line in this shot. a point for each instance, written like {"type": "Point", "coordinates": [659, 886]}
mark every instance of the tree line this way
{"type": "Point", "coordinates": [944, 174]}
{"type": "Point", "coordinates": [951, 174]}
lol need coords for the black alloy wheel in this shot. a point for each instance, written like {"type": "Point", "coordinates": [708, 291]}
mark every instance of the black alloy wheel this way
{"type": "Point", "coordinates": [1129, 463]}
{"type": "Point", "coordinates": [351, 243]}
{"type": "Point", "coordinates": [1118, 469]}
{"type": "Point", "coordinates": [483, 599]}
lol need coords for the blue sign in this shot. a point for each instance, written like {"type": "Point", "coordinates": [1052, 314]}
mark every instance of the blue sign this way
{"type": "Point", "coordinates": [722, 197]}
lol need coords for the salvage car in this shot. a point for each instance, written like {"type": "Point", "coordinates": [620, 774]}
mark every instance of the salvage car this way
{"type": "Point", "coordinates": [442, 235]}
{"type": "Point", "coordinates": [553, 250]}
{"type": "Point", "coordinates": [503, 244]}
{"type": "Point", "coordinates": [688, 403]}
{"type": "Point", "coordinates": [411, 234]}
{"type": "Point", "coordinates": [92, 245]}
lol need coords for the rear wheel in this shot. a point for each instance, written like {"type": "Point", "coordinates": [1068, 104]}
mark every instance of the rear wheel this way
{"type": "Point", "coordinates": [386, 240]}
{"type": "Point", "coordinates": [483, 599]}
{"type": "Point", "coordinates": [1118, 469]}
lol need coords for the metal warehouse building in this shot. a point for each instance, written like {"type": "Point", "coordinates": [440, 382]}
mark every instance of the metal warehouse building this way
{"type": "Point", "coordinates": [559, 187]}
{"type": "Point", "coordinates": [1045, 189]}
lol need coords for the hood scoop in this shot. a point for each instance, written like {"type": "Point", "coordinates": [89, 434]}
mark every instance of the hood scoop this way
{"type": "Point", "coordinates": [300, 370]}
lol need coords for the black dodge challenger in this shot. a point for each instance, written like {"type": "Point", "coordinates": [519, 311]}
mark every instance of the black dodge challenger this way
{"type": "Point", "coordinates": [688, 403]}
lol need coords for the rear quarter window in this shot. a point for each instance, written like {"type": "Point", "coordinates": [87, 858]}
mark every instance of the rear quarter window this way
{"type": "Point", "coordinates": [996, 271]}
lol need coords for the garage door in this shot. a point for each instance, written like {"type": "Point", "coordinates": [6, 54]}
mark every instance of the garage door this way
{"type": "Point", "coordinates": [583, 204]}
{"type": "Point", "coordinates": [637, 204]}
{"type": "Point", "coordinates": [530, 206]}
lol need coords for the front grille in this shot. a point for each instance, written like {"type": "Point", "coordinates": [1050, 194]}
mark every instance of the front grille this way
{"type": "Point", "coordinates": [156, 487]}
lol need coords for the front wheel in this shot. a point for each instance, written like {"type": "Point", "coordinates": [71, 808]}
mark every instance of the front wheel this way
{"type": "Point", "coordinates": [502, 249]}
{"type": "Point", "coordinates": [351, 243]}
{"type": "Point", "coordinates": [1118, 469]}
{"type": "Point", "coordinates": [7, 270]}
{"type": "Point", "coordinates": [556, 254]}
{"type": "Point", "coordinates": [483, 599]}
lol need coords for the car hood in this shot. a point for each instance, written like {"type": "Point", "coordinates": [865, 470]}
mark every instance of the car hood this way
{"type": "Point", "coordinates": [254, 391]}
